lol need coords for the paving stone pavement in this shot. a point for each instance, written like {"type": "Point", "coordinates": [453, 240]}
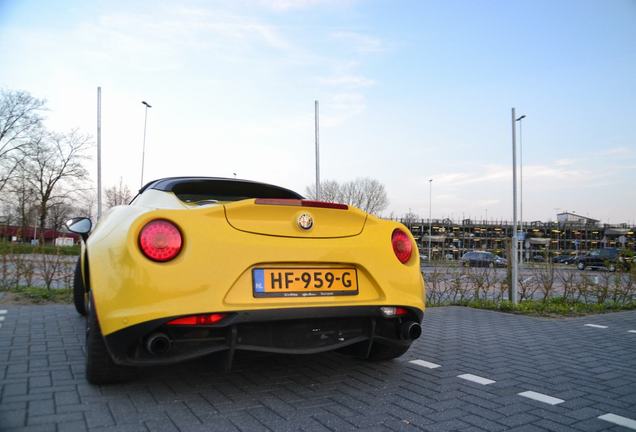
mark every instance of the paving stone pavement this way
{"type": "Point", "coordinates": [42, 385]}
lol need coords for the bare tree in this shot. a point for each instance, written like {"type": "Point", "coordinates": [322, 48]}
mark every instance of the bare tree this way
{"type": "Point", "coordinates": [365, 193]}
{"type": "Point", "coordinates": [54, 169]}
{"type": "Point", "coordinates": [86, 204]}
{"type": "Point", "coordinates": [117, 195]}
{"type": "Point", "coordinates": [329, 191]}
{"type": "Point", "coordinates": [19, 118]}
{"type": "Point", "coordinates": [59, 213]}
{"type": "Point", "coordinates": [410, 218]}
{"type": "Point", "coordinates": [19, 200]}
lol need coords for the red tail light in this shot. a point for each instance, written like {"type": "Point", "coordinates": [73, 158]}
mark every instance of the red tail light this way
{"type": "Point", "coordinates": [400, 311]}
{"type": "Point", "coordinates": [402, 245]}
{"type": "Point", "coordinates": [160, 240]}
{"type": "Point", "coordinates": [300, 203]}
{"type": "Point", "coordinates": [194, 320]}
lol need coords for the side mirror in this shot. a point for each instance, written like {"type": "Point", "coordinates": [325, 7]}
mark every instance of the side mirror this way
{"type": "Point", "coordinates": [79, 225]}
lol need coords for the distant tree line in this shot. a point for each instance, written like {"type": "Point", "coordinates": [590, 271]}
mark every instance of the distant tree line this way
{"type": "Point", "coordinates": [364, 193]}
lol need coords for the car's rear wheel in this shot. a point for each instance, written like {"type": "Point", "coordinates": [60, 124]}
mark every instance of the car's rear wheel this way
{"type": "Point", "coordinates": [612, 268]}
{"type": "Point", "coordinates": [100, 368]}
{"type": "Point", "coordinates": [79, 291]}
{"type": "Point", "coordinates": [380, 352]}
{"type": "Point", "coordinates": [580, 266]}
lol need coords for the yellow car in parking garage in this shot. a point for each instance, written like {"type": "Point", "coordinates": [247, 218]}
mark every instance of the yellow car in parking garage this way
{"type": "Point", "coordinates": [200, 265]}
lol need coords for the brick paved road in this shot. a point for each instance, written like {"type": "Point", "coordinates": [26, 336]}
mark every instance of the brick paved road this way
{"type": "Point", "coordinates": [592, 369]}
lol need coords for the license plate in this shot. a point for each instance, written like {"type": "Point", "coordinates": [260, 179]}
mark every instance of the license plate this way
{"type": "Point", "coordinates": [304, 282]}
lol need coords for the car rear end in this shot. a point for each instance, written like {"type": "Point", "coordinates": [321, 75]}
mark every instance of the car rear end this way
{"type": "Point", "coordinates": [276, 275]}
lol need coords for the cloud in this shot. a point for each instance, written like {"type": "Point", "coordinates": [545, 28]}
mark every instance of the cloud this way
{"type": "Point", "coordinates": [347, 80]}
{"type": "Point", "coordinates": [343, 106]}
{"type": "Point", "coordinates": [486, 202]}
{"type": "Point", "coordinates": [169, 38]}
{"type": "Point", "coordinates": [360, 42]}
{"type": "Point", "coordinates": [617, 151]}
{"type": "Point", "coordinates": [564, 162]}
{"type": "Point", "coordinates": [286, 5]}
{"type": "Point", "coordinates": [498, 173]}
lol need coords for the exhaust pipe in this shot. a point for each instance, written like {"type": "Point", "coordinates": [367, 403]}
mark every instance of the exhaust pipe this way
{"type": "Point", "coordinates": [158, 343]}
{"type": "Point", "coordinates": [410, 330]}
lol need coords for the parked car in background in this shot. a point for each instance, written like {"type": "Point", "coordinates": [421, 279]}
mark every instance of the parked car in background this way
{"type": "Point", "coordinates": [537, 258]}
{"type": "Point", "coordinates": [482, 259]}
{"type": "Point", "coordinates": [604, 258]}
{"type": "Point", "coordinates": [564, 259]}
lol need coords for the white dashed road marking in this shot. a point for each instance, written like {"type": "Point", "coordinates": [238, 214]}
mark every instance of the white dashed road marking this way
{"type": "Point", "coordinates": [541, 397]}
{"type": "Point", "coordinates": [619, 420]}
{"type": "Point", "coordinates": [631, 331]}
{"type": "Point", "coordinates": [3, 311]}
{"type": "Point", "coordinates": [1, 318]}
{"type": "Point", "coordinates": [476, 379]}
{"type": "Point", "coordinates": [425, 364]}
{"type": "Point", "coordinates": [595, 326]}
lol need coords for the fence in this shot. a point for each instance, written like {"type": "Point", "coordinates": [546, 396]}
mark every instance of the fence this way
{"type": "Point", "coordinates": [457, 285]}
{"type": "Point", "coordinates": [47, 270]}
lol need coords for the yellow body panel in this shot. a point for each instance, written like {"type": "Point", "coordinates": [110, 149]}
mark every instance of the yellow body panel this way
{"type": "Point", "coordinates": [213, 272]}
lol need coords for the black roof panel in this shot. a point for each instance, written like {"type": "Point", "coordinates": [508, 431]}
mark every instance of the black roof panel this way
{"type": "Point", "coordinates": [219, 186]}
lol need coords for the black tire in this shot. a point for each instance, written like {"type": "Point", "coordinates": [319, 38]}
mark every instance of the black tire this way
{"type": "Point", "coordinates": [100, 368]}
{"type": "Point", "coordinates": [381, 352]}
{"type": "Point", "coordinates": [611, 268]}
{"type": "Point", "coordinates": [79, 290]}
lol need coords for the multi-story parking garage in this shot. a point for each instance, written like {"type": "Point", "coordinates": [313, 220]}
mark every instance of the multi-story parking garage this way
{"type": "Point", "coordinates": [570, 234]}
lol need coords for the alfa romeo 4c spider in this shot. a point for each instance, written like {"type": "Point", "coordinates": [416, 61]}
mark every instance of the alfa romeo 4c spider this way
{"type": "Point", "coordinates": [198, 265]}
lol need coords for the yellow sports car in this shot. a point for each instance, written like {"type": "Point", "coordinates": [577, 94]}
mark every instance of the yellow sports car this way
{"type": "Point", "coordinates": [198, 265]}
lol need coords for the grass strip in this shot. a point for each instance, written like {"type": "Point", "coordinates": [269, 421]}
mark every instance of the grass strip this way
{"type": "Point", "coordinates": [24, 248]}
{"type": "Point", "coordinates": [38, 295]}
{"type": "Point", "coordinates": [555, 306]}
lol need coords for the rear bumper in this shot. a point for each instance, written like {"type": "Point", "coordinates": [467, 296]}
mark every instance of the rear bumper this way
{"type": "Point", "coordinates": [290, 331]}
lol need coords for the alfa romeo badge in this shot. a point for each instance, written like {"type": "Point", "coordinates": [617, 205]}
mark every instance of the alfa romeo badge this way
{"type": "Point", "coordinates": [305, 221]}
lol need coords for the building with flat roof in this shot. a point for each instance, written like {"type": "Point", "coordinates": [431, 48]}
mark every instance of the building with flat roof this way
{"type": "Point", "coordinates": [568, 236]}
{"type": "Point", "coordinates": [573, 218]}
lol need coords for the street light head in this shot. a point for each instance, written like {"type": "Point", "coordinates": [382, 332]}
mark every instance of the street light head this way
{"type": "Point", "coordinates": [521, 118]}
{"type": "Point", "coordinates": [147, 104]}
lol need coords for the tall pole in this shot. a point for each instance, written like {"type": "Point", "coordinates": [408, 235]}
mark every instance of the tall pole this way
{"type": "Point", "coordinates": [143, 149]}
{"type": "Point", "coordinates": [317, 133]}
{"type": "Point", "coordinates": [99, 153]}
{"type": "Point", "coordinates": [514, 258]}
{"type": "Point", "coordinates": [521, 182]}
{"type": "Point", "coordinates": [430, 212]}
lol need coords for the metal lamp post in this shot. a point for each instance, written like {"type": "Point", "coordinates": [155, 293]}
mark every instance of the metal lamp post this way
{"type": "Point", "coordinates": [143, 149]}
{"type": "Point", "coordinates": [521, 181]}
{"type": "Point", "coordinates": [317, 136]}
{"type": "Point", "coordinates": [515, 240]}
{"type": "Point", "coordinates": [99, 153]}
{"type": "Point", "coordinates": [430, 221]}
